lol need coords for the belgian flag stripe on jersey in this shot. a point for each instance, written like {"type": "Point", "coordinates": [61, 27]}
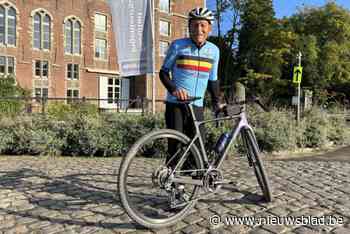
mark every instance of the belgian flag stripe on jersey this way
{"type": "Point", "coordinates": [194, 63]}
{"type": "Point", "coordinates": [191, 57]}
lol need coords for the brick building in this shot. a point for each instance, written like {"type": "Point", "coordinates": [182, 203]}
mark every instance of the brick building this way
{"type": "Point", "coordinates": [66, 48]}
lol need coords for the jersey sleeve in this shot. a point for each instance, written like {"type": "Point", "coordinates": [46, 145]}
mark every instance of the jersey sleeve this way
{"type": "Point", "coordinates": [170, 58]}
{"type": "Point", "coordinates": [214, 71]}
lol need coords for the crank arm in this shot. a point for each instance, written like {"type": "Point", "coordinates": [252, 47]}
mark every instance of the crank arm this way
{"type": "Point", "coordinates": [187, 180]}
{"type": "Point", "coordinates": [223, 182]}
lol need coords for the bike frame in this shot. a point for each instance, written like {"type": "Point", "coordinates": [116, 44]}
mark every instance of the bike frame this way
{"type": "Point", "coordinates": [241, 124]}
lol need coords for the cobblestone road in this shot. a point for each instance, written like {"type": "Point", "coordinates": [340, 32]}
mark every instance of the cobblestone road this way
{"type": "Point", "coordinates": [76, 195]}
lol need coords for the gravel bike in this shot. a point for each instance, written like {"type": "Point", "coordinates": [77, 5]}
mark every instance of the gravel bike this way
{"type": "Point", "coordinates": [154, 187]}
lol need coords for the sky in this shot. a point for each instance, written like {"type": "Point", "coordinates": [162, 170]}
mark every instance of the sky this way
{"type": "Point", "coordinates": [286, 7]}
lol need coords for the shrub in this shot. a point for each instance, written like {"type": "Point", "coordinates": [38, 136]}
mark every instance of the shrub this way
{"type": "Point", "coordinates": [61, 111]}
{"type": "Point", "coordinates": [46, 136]}
{"type": "Point", "coordinates": [106, 134]}
{"type": "Point", "coordinates": [338, 131]}
{"type": "Point", "coordinates": [6, 135]}
{"type": "Point", "coordinates": [274, 130]}
{"type": "Point", "coordinates": [8, 88]}
{"type": "Point", "coordinates": [314, 125]}
{"type": "Point", "coordinates": [124, 129]}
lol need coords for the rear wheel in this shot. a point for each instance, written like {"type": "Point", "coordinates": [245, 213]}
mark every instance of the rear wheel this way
{"type": "Point", "coordinates": [146, 189]}
{"type": "Point", "coordinates": [253, 154]}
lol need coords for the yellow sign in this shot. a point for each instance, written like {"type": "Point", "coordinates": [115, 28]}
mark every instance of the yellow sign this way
{"type": "Point", "coordinates": [297, 74]}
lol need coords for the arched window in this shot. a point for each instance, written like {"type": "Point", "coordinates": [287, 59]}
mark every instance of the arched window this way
{"type": "Point", "coordinates": [72, 36]}
{"type": "Point", "coordinates": [7, 25]}
{"type": "Point", "coordinates": [68, 25]}
{"type": "Point", "coordinates": [37, 31]}
{"type": "Point", "coordinates": [76, 37]}
{"type": "Point", "coordinates": [42, 31]}
{"type": "Point", "coordinates": [11, 26]}
{"type": "Point", "coordinates": [2, 24]}
{"type": "Point", "coordinates": [46, 32]}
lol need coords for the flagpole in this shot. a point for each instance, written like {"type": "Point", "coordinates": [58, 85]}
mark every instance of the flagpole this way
{"type": "Point", "coordinates": [153, 61]}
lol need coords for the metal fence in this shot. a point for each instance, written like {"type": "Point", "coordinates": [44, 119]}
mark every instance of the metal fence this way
{"type": "Point", "coordinates": [41, 104]}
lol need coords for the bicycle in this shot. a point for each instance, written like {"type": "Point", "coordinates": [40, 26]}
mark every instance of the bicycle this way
{"type": "Point", "coordinates": [156, 195]}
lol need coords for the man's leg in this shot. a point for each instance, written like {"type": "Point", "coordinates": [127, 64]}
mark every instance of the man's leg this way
{"type": "Point", "coordinates": [173, 120]}
{"type": "Point", "coordinates": [199, 112]}
{"type": "Point", "coordinates": [190, 131]}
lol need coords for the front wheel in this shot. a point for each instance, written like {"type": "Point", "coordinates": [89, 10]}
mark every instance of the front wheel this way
{"type": "Point", "coordinates": [253, 154]}
{"type": "Point", "coordinates": [147, 192]}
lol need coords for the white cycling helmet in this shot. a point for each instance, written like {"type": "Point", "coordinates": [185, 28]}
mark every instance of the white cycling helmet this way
{"type": "Point", "coordinates": [201, 13]}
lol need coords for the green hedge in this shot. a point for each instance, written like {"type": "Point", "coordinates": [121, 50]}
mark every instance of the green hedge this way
{"type": "Point", "coordinates": [277, 130]}
{"type": "Point", "coordinates": [9, 88]}
{"type": "Point", "coordinates": [82, 131]}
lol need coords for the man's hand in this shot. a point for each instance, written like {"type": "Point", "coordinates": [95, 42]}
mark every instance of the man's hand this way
{"type": "Point", "coordinates": [218, 108]}
{"type": "Point", "coordinates": [181, 94]}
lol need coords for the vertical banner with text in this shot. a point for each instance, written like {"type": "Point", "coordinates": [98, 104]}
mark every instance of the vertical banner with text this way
{"type": "Point", "coordinates": [132, 25]}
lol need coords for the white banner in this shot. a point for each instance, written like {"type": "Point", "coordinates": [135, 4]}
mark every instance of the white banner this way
{"type": "Point", "coordinates": [132, 25]}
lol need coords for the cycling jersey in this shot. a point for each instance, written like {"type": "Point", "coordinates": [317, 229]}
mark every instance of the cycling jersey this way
{"type": "Point", "coordinates": [191, 67]}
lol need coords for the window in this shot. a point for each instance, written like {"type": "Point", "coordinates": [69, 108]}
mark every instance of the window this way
{"type": "Point", "coordinates": [100, 23]}
{"type": "Point", "coordinates": [101, 35]}
{"type": "Point", "coordinates": [11, 26]}
{"type": "Point", "coordinates": [164, 28]}
{"type": "Point", "coordinates": [10, 65]}
{"type": "Point", "coordinates": [68, 32]}
{"type": "Point", "coordinates": [42, 31]}
{"type": "Point", "coordinates": [113, 90]}
{"type": "Point", "coordinates": [37, 31]}
{"type": "Point", "coordinates": [76, 37]}
{"type": "Point", "coordinates": [164, 5]}
{"type": "Point", "coordinates": [2, 24]}
{"type": "Point", "coordinates": [46, 32]}
{"type": "Point", "coordinates": [72, 94]}
{"type": "Point", "coordinates": [2, 65]}
{"type": "Point", "coordinates": [101, 48]}
{"type": "Point", "coordinates": [41, 93]}
{"type": "Point", "coordinates": [73, 71]}
{"type": "Point", "coordinates": [41, 69]}
{"type": "Point", "coordinates": [7, 25]}
{"type": "Point", "coordinates": [72, 31]}
{"type": "Point", "coordinates": [163, 47]}
{"type": "Point", "coordinates": [7, 65]}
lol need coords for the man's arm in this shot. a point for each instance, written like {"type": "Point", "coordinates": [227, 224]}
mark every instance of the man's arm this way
{"type": "Point", "coordinates": [169, 85]}
{"type": "Point", "coordinates": [214, 90]}
{"type": "Point", "coordinates": [213, 83]}
{"type": "Point", "coordinates": [165, 79]}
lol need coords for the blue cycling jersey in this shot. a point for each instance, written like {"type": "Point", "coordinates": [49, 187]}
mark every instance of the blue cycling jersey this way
{"type": "Point", "coordinates": [191, 67]}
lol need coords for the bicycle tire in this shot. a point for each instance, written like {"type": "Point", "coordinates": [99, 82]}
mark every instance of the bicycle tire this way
{"type": "Point", "coordinates": [129, 206]}
{"type": "Point", "coordinates": [259, 169]}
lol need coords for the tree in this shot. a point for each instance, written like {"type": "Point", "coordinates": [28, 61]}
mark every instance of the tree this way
{"type": "Point", "coordinates": [257, 22]}
{"type": "Point", "coordinates": [262, 45]}
{"type": "Point", "coordinates": [227, 61]}
{"type": "Point", "coordinates": [9, 89]}
{"type": "Point", "coordinates": [221, 7]}
{"type": "Point", "coordinates": [323, 36]}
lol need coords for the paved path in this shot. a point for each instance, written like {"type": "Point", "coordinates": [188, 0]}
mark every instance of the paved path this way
{"type": "Point", "coordinates": [342, 155]}
{"type": "Point", "coordinates": [76, 195]}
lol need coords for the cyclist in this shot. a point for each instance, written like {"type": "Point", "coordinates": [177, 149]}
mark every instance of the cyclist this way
{"type": "Point", "coordinates": [192, 64]}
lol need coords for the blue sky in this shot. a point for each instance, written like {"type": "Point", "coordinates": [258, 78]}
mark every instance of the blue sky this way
{"type": "Point", "coordinates": [286, 7]}
{"type": "Point", "coordinates": [289, 7]}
